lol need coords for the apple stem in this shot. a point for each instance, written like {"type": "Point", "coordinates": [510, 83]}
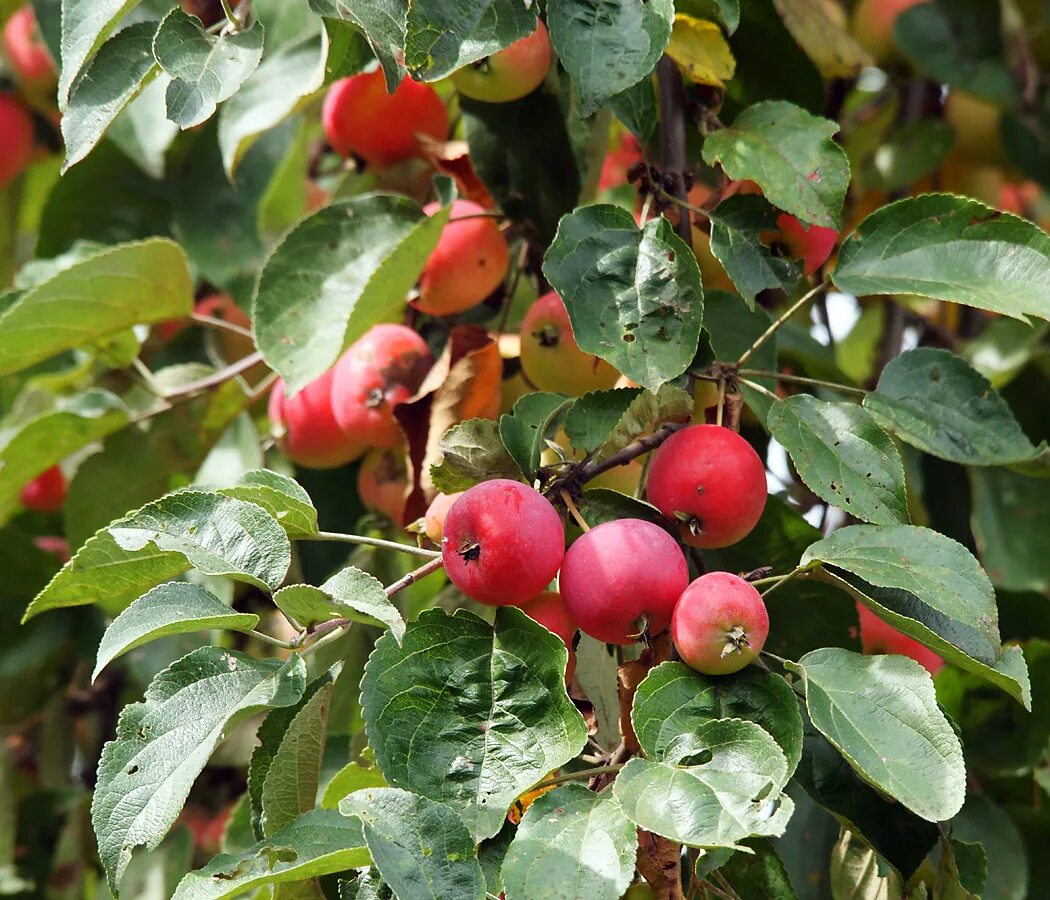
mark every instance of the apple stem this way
{"type": "Point", "coordinates": [579, 776]}
{"type": "Point", "coordinates": [580, 520]}
{"type": "Point", "coordinates": [765, 392]}
{"type": "Point", "coordinates": [372, 542]}
{"type": "Point", "coordinates": [781, 580]}
{"type": "Point", "coordinates": [231, 16]}
{"type": "Point", "coordinates": [721, 401]}
{"type": "Point", "coordinates": [798, 379]}
{"type": "Point", "coordinates": [272, 641]}
{"type": "Point", "coordinates": [776, 326]}
{"type": "Point", "coordinates": [222, 324]}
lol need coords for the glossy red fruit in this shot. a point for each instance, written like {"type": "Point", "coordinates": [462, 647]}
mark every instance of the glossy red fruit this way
{"type": "Point", "coordinates": [306, 428]}
{"type": "Point", "coordinates": [720, 624]}
{"type": "Point", "coordinates": [45, 493]}
{"type": "Point", "coordinates": [877, 637]}
{"type": "Point", "coordinates": [55, 545]}
{"type": "Point", "coordinates": [434, 519]}
{"type": "Point", "coordinates": [382, 482]}
{"type": "Point", "coordinates": [16, 149]}
{"type": "Point", "coordinates": [623, 577]}
{"type": "Point", "coordinates": [549, 610]}
{"type": "Point", "coordinates": [618, 161]}
{"type": "Point", "coordinates": [503, 542]}
{"type": "Point", "coordinates": [469, 262]}
{"type": "Point", "coordinates": [360, 117]}
{"type": "Point", "coordinates": [382, 369]}
{"type": "Point", "coordinates": [711, 481]}
{"type": "Point", "coordinates": [510, 74]}
{"type": "Point", "coordinates": [810, 243]}
{"type": "Point", "coordinates": [25, 48]}
{"type": "Point", "coordinates": [550, 356]}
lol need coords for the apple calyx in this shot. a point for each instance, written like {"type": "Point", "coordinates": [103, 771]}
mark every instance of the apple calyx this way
{"type": "Point", "coordinates": [471, 552]}
{"type": "Point", "coordinates": [736, 641]}
{"type": "Point", "coordinates": [695, 526]}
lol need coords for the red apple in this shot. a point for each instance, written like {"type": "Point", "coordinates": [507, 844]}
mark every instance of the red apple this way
{"type": "Point", "coordinates": [549, 610]}
{"type": "Point", "coordinates": [16, 150]}
{"type": "Point", "coordinates": [306, 428]}
{"type": "Point", "coordinates": [360, 117]}
{"type": "Point", "coordinates": [434, 518]}
{"type": "Point", "coordinates": [26, 49]}
{"type": "Point", "coordinates": [873, 22]}
{"type": "Point", "coordinates": [711, 481]}
{"type": "Point", "coordinates": [47, 492]}
{"type": "Point", "coordinates": [720, 624]}
{"type": "Point", "coordinates": [382, 482]}
{"type": "Point", "coordinates": [509, 74]}
{"type": "Point", "coordinates": [503, 542]}
{"type": "Point", "coordinates": [469, 262]}
{"type": "Point", "coordinates": [622, 578]}
{"type": "Point", "coordinates": [877, 637]}
{"type": "Point", "coordinates": [810, 243]}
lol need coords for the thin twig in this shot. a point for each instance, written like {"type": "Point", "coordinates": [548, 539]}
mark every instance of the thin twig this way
{"type": "Point", "coordinates": [272, 641]}
{"type": "Point", "coordinates": [412, 577]}
{"type": "Point", "coordinates": [216, 378]}
{"type": "Point", "coordinates": [755, 386]}
{"type": "Point", "coordinates": [632, 451]}
{"type": "Point", "coordinates": [775, 327]}
{"type": "Point", "coordinates": [798, 379]}
{"type": "Point", "coordinates": [337, 537]}
{"type": "Point", "coordinates": [577, 776]}
{"type": "Point", "coordinates": [223, 324]}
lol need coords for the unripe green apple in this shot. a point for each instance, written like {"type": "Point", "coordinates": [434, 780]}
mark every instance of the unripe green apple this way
{"type": "Point", "coordinates": [511, 73]}
{"type": "Point", "coordinates": [720, 624]}
{"type": "Point", "coordinates": [550, 356]}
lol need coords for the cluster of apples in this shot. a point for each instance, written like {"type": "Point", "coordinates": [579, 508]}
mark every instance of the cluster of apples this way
{"type": "Point", "coordinates": [30, 62]}
{"type": "Point", "coordinates": [503, 543]}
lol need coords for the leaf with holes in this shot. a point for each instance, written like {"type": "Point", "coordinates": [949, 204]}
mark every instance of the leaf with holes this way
{"type": "Point", "coordinates": [163, 743]}
{"type": "Point", "coordinates": [633, 296]}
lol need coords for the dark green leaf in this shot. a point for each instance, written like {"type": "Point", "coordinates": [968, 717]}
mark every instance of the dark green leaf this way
{"type": "Point", "coordinates": [525, 429]}
{"type": "Point", "coordinates": [317, 843]}
{"type": "Point", "coordinates": [174, 608]}
{"type": "Point", "coordinates": [163, 743]}
{"type": "Point", "coordinates": [760, 875]}
{"type": "Point", "coordinates": [470, 714]}
{"type": "Point", "coordinates": [935, 401]}
{"type": "Point", "coordinates": [1011, 519]}
{"type": "Point", "coordinates": [608, 48]}
{"type": "Point", "coordinates": [571, 842]}
{"type": "Point", "coordinates": [472, 452]}
{"type": "Point", "coordinates": [843, 456]}
{"type": "Point", "coordinates": [383, 22]}
{"type": "Point", "coordinates": [205, 69]}
{"type": "Point", "coordinates": [634, 296]}
{"type": "Point", "coordinates": [982, 822]}
{"type": "Point", "coordinates": [336, 275]}
{"type": "Point", "coordinates": [642, 415]}
{"type": "Point", "coordinates": [603, 505]}
{"type": "Point", "coordinates": [636, 108]}
{"type": "Point", "coordinates": [881, 714]}
{"type": "Point", "coordinates": [282, 497]}
{"type": "Point", "coordinates": [908, 155]}
{"type": "Point", "coordinates": [85, 25]}
{"type": "Point", "coordinates": [592, 418]}
{"type": "Point", "coordinates": [674, 702]}
{"type": "Point", "coordinates": [421, 847]}
{"type": "Point", "coordinates": [790, 154]}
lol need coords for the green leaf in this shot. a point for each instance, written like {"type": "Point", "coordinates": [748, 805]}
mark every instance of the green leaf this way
{"type": "Point", "coordinates": [85, 25]}
{"type": "Point", "coordinates": [760, 875]}
{"type": "Point", "coordinates": [856, 871]}
{"type": "Point", "coordinates": [637, 108]}
{"type": "Point", "coordinates": [949, 248]}
{"type": "Point", "coordinates": [592, 418]}
{"type": "Point", "coordinates": [173, 608]}
{"type": "Point", "coordinates": [142, 130]}
{"type": "Point", "coordinates": [443, 37]}
{"type": "Point", "coordinates": [113, 78]}
{"type": "Point", "coordinates": [190, 529]}
{"type": "Point", "coordinates": [634, 296]}
{"type": "Point", "coordinates": [732, 330]}
{"type": "Point", "coordinates": [738, 226]}
{"type": "Point", "coordinates": [607, 48]}
{"type": "Point", "coordinates": [983, 822]}
{"type": "Point", "coordinates": [1011, 518]}
{"type": "Point", "coordinates": [722, 788]}
{"type": "Point", "coordinates": [205, 69]}
{"type": "Point", "coordinates": [571, 842]}
{"type": "Point", "coordinates": [472, 452]}
{"type": "Point", "coordinates": [282, 497]}
{"type": "Point", "coordinates": [843, 456]}
{"type": "Point", "coordinates": [674, 702]}
{"type": "Point", "coordinates": [525, 429]}
{"type": "Point", "coordinates": [31, 447]}
{"type": "Point", "coordinates": [908, 155]}
{"type": "Point", "coordinates": [470, 714]}
{"type": "Point", "coordinates": [350, 593]}
{"type": "Point", "coordinates": [790, 154]}
{"type": "Point", "coordinates": [285, 768]}
{"type": "Point", "coordinates": [163, 743]}
{"type": "Point", "coordinates": [963, 870]}
{"type": "Point", "coordinates": [352, 777]}
{"type": "Point", "coordinates": [94, 299]}
{"type": "Point", "coordinates": [285, 82]}
{"type": "Point", "coordinates": [643, 415]}
{"type": "Point", "coordinates": [881, 714]}
{"type": "Point", "coordinates": [421, 847]}
{"type": "Point", "coordinates": [319, 842]}
{"type": "Point", "coordinates": [933, 400]}
{"type": "Point", "coordinates": [382, 22]}
{"type": "Point", "coordinates": [334, 276]}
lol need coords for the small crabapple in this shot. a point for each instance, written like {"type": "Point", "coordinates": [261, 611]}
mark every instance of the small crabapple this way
{"type": "Point", "coordinates": [549, 610]}
{"type": "Point", "coordinates": [877, 636]}
{"type": "Point", "coordinates": [550, 356]}
{"type": "Point", "coordinates": [511, 73]}
{"type": "Point", "coordinates": [360, 117]}
{"type": "Point", "coordinates": [382, 482]}
{"type": "Point", "coordinates": [872, 25]}
{"type": "Point", "coordinates": [503, 542]}
{"type": "Point", "coordinates": [469, 262]}
{"type": "Point", "coordinates": [16, 151]}
{"type": "Point", "coordinates": [53, 544]}
{"type": "Point", "coordinates": [711, 481]}
{"type": "Point", "coordinates": [618, 161]}
{"type": "Point", "coordinates": [47, 492]}
{"type": "Point", "coordinates": [26, 49]}
{"type": "Point", "coordinates": [434, 518]}
{"type": "Point", "coordinates": [720, 624]}
{"type": "Point", "coordinates": [810, 243]}
{"type": "Point", "coordinates": [306, 428]}
{"type": "Point", "coordinates": [622, 578]}
{"type": "Point", "coordinates": [385, 367]}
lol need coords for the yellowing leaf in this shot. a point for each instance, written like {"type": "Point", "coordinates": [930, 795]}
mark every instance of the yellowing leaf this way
{"type": "Point", "coordinates": [819, 28]}
{"type": "Point", "coordinates": [701, 51]}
